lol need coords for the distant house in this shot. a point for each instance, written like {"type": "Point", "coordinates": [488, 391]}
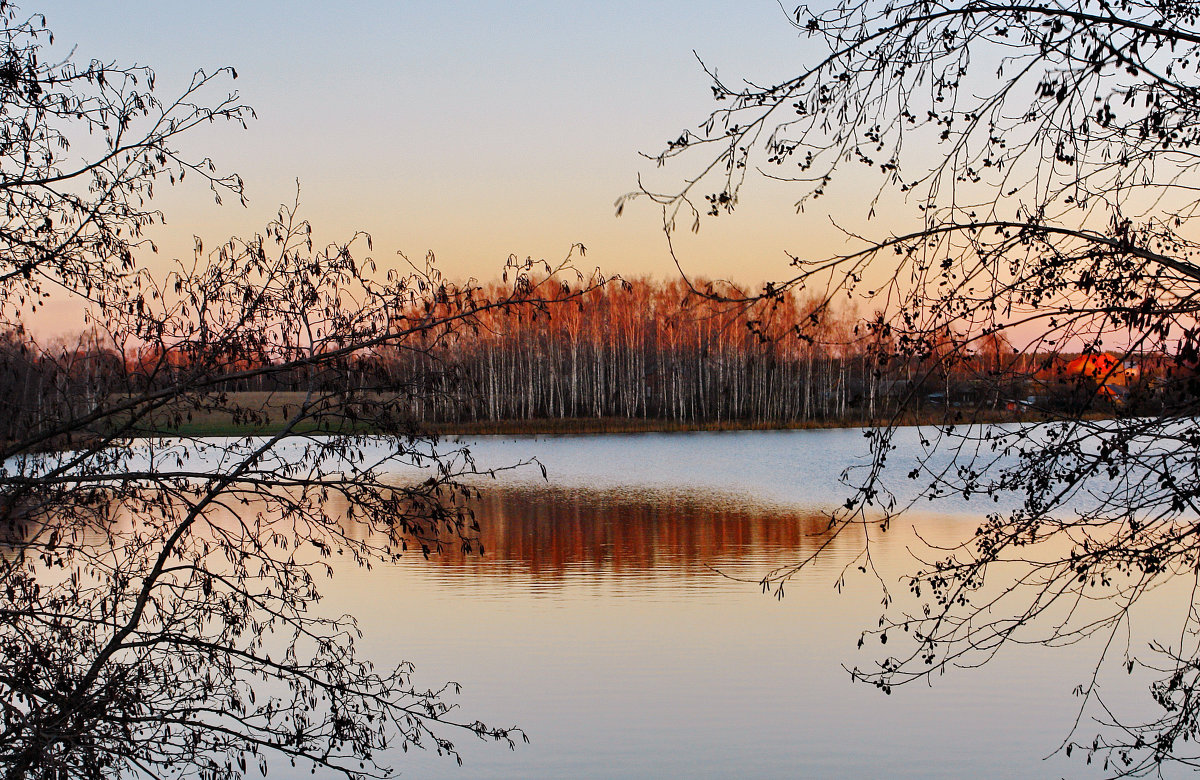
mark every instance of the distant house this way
{"type": "Point", "coordinates": [1101, 367]}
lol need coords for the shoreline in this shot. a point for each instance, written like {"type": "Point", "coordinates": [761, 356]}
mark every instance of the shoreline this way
{"type": "Point", "coordinates": [584, 426]}
{"type": "Point", "coordinates": [611, 425]}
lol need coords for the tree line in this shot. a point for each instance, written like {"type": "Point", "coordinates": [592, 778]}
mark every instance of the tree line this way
{"type": "Point", "coordinates": [632, 349]}
{"type": "Point", "coordinates": [642, 349]}
{"type": "Point", "coordinates": [629, 349]}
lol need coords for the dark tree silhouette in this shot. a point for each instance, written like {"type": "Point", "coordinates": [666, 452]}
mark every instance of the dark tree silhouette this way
{"type": "Point", "coordinates": [157, 594]}
{"type": "Point", "coordinates": [1044, 157]}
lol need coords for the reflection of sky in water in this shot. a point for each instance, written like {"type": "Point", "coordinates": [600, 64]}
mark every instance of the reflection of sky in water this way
{"type": "Point", "coordinates": [772, 467]}
{"type": "Point", "coordinates": [812, 468]}
{"type": "Point", "coordinates": [818, 468]}
{"type": "Point", "coordinates": [598, 622]}
{"type": "Point", "coordinates": [603, 621]}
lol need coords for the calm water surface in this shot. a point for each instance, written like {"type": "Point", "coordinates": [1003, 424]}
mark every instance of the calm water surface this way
{"type": "Point", "coordinates": [615, 619]}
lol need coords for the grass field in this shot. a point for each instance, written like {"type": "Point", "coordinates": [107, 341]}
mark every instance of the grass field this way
{"type": "Point", "coordinates": [270, 410]}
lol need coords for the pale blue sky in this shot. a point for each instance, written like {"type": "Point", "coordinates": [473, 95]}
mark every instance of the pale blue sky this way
{"type": "Point", "coordinates": [475, 129]}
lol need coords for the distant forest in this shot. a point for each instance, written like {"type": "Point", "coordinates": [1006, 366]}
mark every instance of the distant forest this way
{"type": "Point", "coordinates": [635, 349]}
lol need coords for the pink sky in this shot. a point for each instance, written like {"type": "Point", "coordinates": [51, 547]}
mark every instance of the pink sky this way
{"type": "Point", "coordinates": [476, 130]}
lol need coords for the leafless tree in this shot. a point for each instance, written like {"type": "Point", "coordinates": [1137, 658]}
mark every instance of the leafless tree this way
{"type": "Point", "coordinates": [157, 595]}
{"type": "Point", "coordinates": [1044, 157]}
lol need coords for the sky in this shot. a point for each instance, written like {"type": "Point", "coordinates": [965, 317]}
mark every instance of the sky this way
{"type": "Point", "coordinates": [476, 130]}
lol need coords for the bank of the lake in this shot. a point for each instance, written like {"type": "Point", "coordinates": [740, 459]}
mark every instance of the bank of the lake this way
{"type": "Point", "coordinates": [271, 411]}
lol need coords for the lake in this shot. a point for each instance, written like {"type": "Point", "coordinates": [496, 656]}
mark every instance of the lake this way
{"type": "Point", "coordinates": [616, 619]}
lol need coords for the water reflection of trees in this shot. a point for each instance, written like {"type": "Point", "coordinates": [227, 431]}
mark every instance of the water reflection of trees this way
{"type": "Point", "coordinates": [551, 532]}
